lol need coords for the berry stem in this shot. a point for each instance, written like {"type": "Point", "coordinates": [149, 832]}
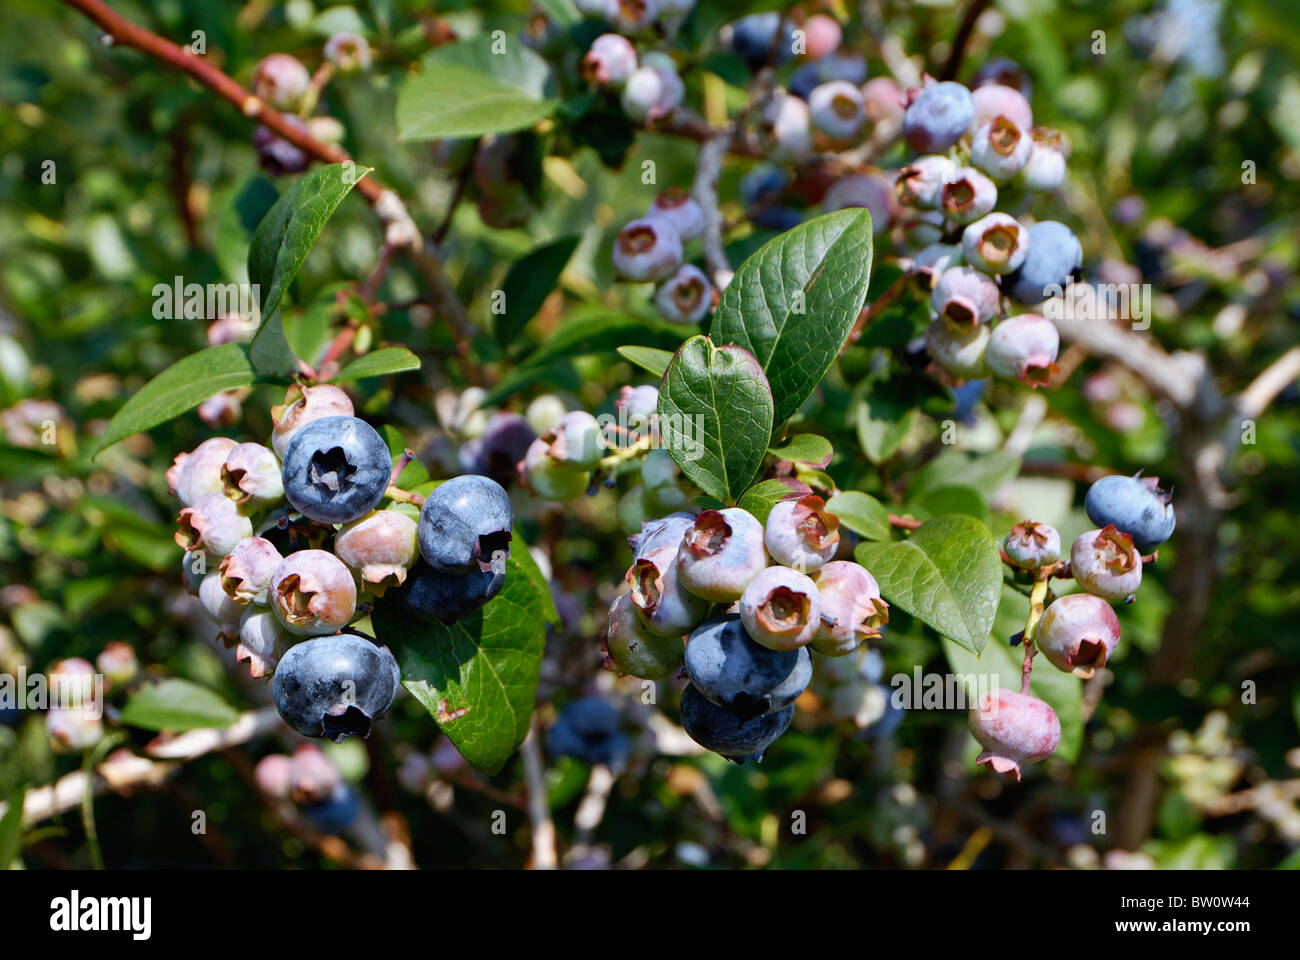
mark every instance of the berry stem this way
{"type": "Point", "coordinates": [903, 523]}
{"type": "Point", "coordinates": [407, 456]}
{"type": "Point", "coordinates": [1037, 603]}
{"type": "Point", "coordinates": [404, 496]}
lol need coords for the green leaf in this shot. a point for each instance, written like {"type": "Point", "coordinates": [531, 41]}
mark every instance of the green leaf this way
{"type": "Point", "coordinates": [793, 303]}
{"type": "Point", "coordinates": [947, 574]}
{"type": "Point", "coordinates": [762, 497]}
{"type": "Point", "coordinates": [467, 89]}
{"type": "Point", "coordinates": [529, 281]}
{"type": "Point", "coordinates": [810, 448]}
{"type": "Point", "coordinates": [648, 358]}
{"type": "Point", "coordinates": [882, 425]}
{"type": "Point", "coordinates": [182, 386]}
{"type": "Point", "coordinates": [862, 513]}
{"type": "Point", "coordinates": [715, 415]}
{"type": "Point", "coordinates": [591, 333]}
{"type": "Point", "coordinates": [377, 363]}
{"type": "Point", "coordinates": [478, 677]}
{"type": "Point", "coordinates": [955, 499]}
{"type": "Point", "coordinates": [281, 243]}
{"type": "Point", "coordinates": [177, 704]}
{"type": "Point", "coordinates": [986, 473]}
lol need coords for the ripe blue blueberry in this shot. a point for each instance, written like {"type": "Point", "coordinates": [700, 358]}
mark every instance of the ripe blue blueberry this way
{"type": "Point", "coordinates": [753, 37]}
{"type": "Point", "coordinates": [1135, 505]}
{"type": "Point", "coordinates": [497, 451]}
{"type": "Point", "coordinates": [466, 524]}
{"type": "Point", "coordinates": [938, 116]}
{"type": "Point", "coordinates": [336, 812]}
{"type": "Point", "coordinates": [433, 595]}
{"type": "Point", "coordinates": [1054, 255]}
{"type": "Point", "coordinates": [727, 667]}
{"type": "Point", "coordinates": [589, 730]}
{"type": "Point", "coordinates": [718, 729]}
{"type": "Point", "coordinates": [336, 469]}
{"type": "Point", "coordinates": [335, 687]}
{"type": "Point", "coordinates": [277, 155]}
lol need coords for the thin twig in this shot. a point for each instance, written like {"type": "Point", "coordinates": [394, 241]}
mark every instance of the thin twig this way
{"type": "Point", "coordinates": [539, 813]}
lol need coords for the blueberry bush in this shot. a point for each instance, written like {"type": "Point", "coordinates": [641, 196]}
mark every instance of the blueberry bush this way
{"type": "Point", "coordinates": [622, 433]}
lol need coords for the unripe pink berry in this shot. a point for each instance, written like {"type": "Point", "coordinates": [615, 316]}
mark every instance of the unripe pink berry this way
{"type": "Point", "coordinates": [246, 571]}
{"type": "Point", "coordinates": [221, 409]}
{"type": "Point", "coordinates": [968, 195]}
{"type": "Point", "coordinates": [1031, 545]}
{"type": "Point", "coordinates": [1013, 728]}
{"type": "Point", "coordinates": [220, 608]}
{"type": "Point", "coordinates": [274, 775]}
{"type": "Point", "coordinates": [680, 211]}
{"type": "Point", "coordinates": [852, 609]}
{"type": "Point", "coordinates": [686, 296]}
{"type": "Point", "coordinates": [721, 553]}
{"type": "Point", "coordinates": [281, 80]}
{"type": "Point", "coordinates": [822, 36]}
{"type": "Point", "coordinates": [666, 607]}
{"type": "Point", "coordinates": [1045, 168]}
{"type": "Point", "coordinates": [314, 775]}
{"type": "Point", "coordinates": [638, 401]}
{"type": "Point", "coordinates": [1078, 633]}
{"type": "Point", "coordinates": [992, 100]}
{"type": "Point", "coordinates": [631, 16]}
{"type": "Point", "coordinates": [262, 641]}
{"type": "Point", "coordinates": [781, 608]}
{"type": "Point", "coordinates": [1024, 347]}
{"type": "Point", "coordinates": [313, 593]}
{"type": "Point", "coordinates": [576, 441]}
{"type": "Point", "coordinates": [647, 249]}
{"type": "Point", "coordinates": [802, 533]}
{"type": "Point", "coordinates": [348, 51]}
{"type": "Point", "coordinates": [965, 296]}
{"type": "Point", "coordinates": [117, 662]}
{"type": "Point", "coordinates": [380, 548]}
{"type": "Point", "coordinates": [786, 129]}
{"type": "Point", "coordinates": [883, 99]}
{"type": "Point", "coordinates": [73, 730]}
{"type": "Point", "coordinates": [1000, 148]}
{"type": "Point", "coordinates": [230, 328]}
{"type": "Point", "coordinates": [1105, 563]}
{"type": "Point", "coordinates": [920, 183]}
{"type": "Point", "coordinates": [958, 349]}
{"type": "Point", "coordinates": [651, 92]}
{"type": "Point", "coordinates": [251, 476]}
{"type": "Point", "coordinates": [301, 406]}
{"type": "Point", "coordinates": [996, 243]}
{"type": "Point", "coordinates": [610, 60]}
{"type": "Point", "coordinates": [214, 525]}
{"type": "Point", "coordinates": [198, 472]}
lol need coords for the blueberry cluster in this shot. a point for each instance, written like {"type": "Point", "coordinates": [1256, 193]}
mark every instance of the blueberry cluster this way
{"type": "Point", "coordinates": [1079, 632]}
{"type": "Point", "coordinates": [650, 249]}
{"type": "Point", "coordinates": [754, 598]}
{"type": "Point", "coordinates": [288, 545]}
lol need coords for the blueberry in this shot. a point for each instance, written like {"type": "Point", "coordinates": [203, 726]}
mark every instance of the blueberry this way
{"type": "Point", "coordinates": [647, 249]}
{"type": "Point", "coordinates": [722, 552]}
{"type": "Point", "coordinates": [752, 37]}
{"type": "Point", "coordinates": [781, 608]}
{"type": "Point", "coordinates": [215, 524]}
{"type": "Point", "coordinates": [728, 668]}
{"type": "Point", "coordinates": [920, 183]}
{"type": "Point", "coordinates": [718, 729]}
{"type": "Point", "coordinates": [968, 195]}
{"type": "Point", "coordinates": [965, 296]}
{"type": "Point", "coordinates": [997, 243]}
{"type": "Point", "coordinates": [994, 100]}
{"type": "Point", "coordinates": [679, 210]}
{"type": "Point", "coordinates": [336, 469]}
{"type": "Point", "coordinates": [837, 110]}
{"type": "Point", "coordinates": [335, 813]}
{"type": "Point", "coordinates": [1031, 545]}
{"type": "Point", "coordinates": [1054, 255]}
{"type": "Point", "coordinates": [1106, 563]}
{"type": "Point", "coordinates": [686, 296]}
{"type": "Point", "coordinates": [852, 609]}
{"type": "Point", "coordinates": [1013, 728]}
{"type": "Point", "coordinates": [497, 451]}
{"type": "Point", "coordinates": [786, 129]}
{"type": "Point", "coordinates": [1135, 505]}
{"type": "Point", "coordinates": [588, 730]}
{"type": "Point", "coordinates": [335, 687]}
{"type": "Point", "coordinates": [632, 649]}
{"type": "Point", "coordinates": [198, 472]}
{"type": "Point", "coordinates": [277, 155]}
{"type": "Point", "coordinates": [281, 80]}
{"type": "Point", "coordinates": [610, 60]}
{"type": "Point", "coordinates": [312, 593]}
{"type": "Point", "coordinates": [433, 595]}
{"type": "Point", "coordinates": [348, 51]}
{"type": "Point", "coordinates": [959, 350]}
{"type": "Point", "coordinates": [465, 524]}
{"type": "Point", "coordinates": [379, 549]}
{"type": "Point", "coordinates": [938, 116]}
{"type": "Point", "coordinates": [802, 533]}
{"type": "Point", "coordinates": [1078, 633]}
{"type": "Point", "coordinates": [1024, 347]}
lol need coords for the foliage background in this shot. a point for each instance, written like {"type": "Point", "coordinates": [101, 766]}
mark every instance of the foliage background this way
{"type": "Point", "coordinates": [156, 178]}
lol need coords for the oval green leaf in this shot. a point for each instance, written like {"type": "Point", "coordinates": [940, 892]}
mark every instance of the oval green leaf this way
{"type": "Point", "coordinates": [862, 513]}
{"type": "Point", "coordinates": [478, 676]}
{"type": "Point", "coordinates": [178, 705]}
{"type": "Point", "coordinates": [793, 302]}
{"type": "Point", "coordinates": [715, 415]}
{"type": "Point", "coordinates": [182, 386]}
{"type": "Point", "coordinates": [947, 574]}
{"type": "Point", "coordinates": [379, 362]}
